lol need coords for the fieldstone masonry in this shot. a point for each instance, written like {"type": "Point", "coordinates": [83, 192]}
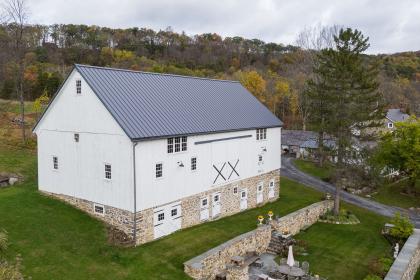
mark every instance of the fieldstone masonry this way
{"type": "Point", "coordinates": [212, 262]}
{"type": "Point", "coordinates": [408, 260]}
{"type": "Point", "coordinates": [230, 204]}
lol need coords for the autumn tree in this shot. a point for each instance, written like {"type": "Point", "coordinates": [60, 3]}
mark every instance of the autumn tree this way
{"type": "Point", "coordinates": [255, 83]}
{"type": "Point", "coordinates": [16, 13]}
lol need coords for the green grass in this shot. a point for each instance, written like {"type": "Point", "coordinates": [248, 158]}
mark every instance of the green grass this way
{"type": "Point", "coordinates": [417, 277]}
{"type": "Point", "coordinates": [392, 194]}
{"type": "Point", "coordinates": [13, 106]}
{"type": "Point", "coordinates": [57, 241]}
{"type": "Point", "coordinates": [311, 168]}
{"type": "Point", "coordinates": [344, 251]}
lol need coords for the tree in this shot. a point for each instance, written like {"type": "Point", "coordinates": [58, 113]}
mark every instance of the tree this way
{"type": "Point", "coordinates": [400, 151]}
{"type": "Point", "coordinates": [254, 82]}
{"type": "Point", "coordinates": [17, 13]}
{"type": "Point", "coordinates": [344, 95]}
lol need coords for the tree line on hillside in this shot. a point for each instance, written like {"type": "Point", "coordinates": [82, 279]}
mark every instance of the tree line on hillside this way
{"type": "Point", "coordinates": [275, 73]}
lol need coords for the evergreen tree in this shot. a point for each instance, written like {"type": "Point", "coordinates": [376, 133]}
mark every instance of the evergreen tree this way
{"type": "Point", "coordinates": [345, 95]}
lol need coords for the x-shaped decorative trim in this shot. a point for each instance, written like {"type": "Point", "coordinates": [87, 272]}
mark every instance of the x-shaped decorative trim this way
{"type": "Point", "coordinates": [220, 172]}
{"type": "Point", "coordinates": [233, 169]}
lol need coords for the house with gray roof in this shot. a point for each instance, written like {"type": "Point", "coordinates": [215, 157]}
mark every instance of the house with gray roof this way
{"type": "Point", "coordinates": [301, 143]}
{"type": "Point", "coordinates": [152, 153]}
{"type": "Point", "coordinates": [393, 116]}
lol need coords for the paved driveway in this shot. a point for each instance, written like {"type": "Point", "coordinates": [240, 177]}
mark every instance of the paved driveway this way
{"type": "Point", "coordinates": [289, 170]}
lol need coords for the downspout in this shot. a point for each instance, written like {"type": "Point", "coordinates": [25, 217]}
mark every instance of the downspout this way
{"type": "Point", "coordinates": [135, 194]}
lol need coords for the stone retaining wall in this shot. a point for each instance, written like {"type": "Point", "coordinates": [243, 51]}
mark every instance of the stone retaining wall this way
{"type": "Point", "coordinates": [207, 265]}
{"type": "Point", "coordinates": [408, 260]}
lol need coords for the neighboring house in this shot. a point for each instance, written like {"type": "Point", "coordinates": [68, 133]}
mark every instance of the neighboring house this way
{"type": "Point", "coordinates": [302, 144]}
{"type": "Point", "coordinates": [388, 123]}
{"type": "Point", "coordinates": [153, 153]}
{"type": "Point", "coordinates": [393, 116]}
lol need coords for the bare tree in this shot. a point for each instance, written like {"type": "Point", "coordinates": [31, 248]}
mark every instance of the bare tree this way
{"type": "Point", "coordinates": [16, 15]}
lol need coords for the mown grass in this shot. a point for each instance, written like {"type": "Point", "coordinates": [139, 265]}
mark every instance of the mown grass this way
{"type": "Point", "coordinates": [324, 173]}
{"type": "Point", "coordinates": [57, 241]}
{"type": "Point", "coordinates": [345, 251]}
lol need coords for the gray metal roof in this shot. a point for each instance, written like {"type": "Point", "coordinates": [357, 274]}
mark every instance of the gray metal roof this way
{"type": "Point", "coordinates": [396, 115]}
{"type": "Point", "coordinates": [151, 105]}
{"type": "Point", "coordinates": [304, 139]}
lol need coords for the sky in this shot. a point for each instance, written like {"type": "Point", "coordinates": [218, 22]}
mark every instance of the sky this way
{"type": "Point", "coordinates": [391, 25]}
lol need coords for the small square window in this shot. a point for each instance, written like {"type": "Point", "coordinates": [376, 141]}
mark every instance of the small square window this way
{"type": "Point", "coordinates": [78, 86]}
{"type": "Point", "coordinates": [193, 163]}
{"type": "Point", "coordinates": [235, 190]}
{"type": "Point", "coordinates": [55, 163]}
{"type": "Point", "coordinates": [76, 137]}
{"type": "Point", "coordinates": [174, 212]}
{"type": "Point", "coordinates": [159, 170]}
{"type": "Point", "coordinates": [243, 194]}
{"type": "Point", "coordinates": [204, 202]}
{"type": "Point", "coordinates": [261, 133]}
{"type": "Point", "coordinates": [99, 209]}
{"type": "Point", "coordinates": [390, 125]}
{"type": "Point", "coordinates": [161, 216]}
{"type": "Point", "coordinates": [271, 183]}
{"type": "Point", "coordinates": [108, 174]}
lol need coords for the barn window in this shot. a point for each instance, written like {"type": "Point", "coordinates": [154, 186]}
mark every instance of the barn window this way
{"type": "Point", "coordinates": [78, 86]}
{"type": "Point", "coordinates": [260, 158]}
{"type": "Point", "coordinates": [235, 190]}
{"type": "Point", "coordinates": [161, 217]}
{"type": "Point", "coordinates": [177, 144]}
{"type": "Point", "coordinates": [76, 137]}
{"type": "Point", "coordinates": [108, 174]}
{"type": "Point", "coordinates": [159, 170]}
{"type": "Point", "coordinates": [98, 209]}
{"type": "Point", "coordinates": [174, 212]}
{"type": "Point", "coordinates": [193, 163]}
{"type": "Point", "coordinates": [55, 163]}
{"type": "Point", "coordinates": [390, 125]}
{"type": "Point", "coordinates": [261, 133]}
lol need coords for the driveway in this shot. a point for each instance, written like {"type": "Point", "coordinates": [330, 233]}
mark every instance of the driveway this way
{"type": "Point", "coordinates": [289, 170]}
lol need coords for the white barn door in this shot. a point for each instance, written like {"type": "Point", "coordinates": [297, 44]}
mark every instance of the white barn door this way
{"type": "Point", "coordinates": [271, 189]}
{"type": "Point", "coordinates": [244, 199]}
{"type": "Point", "coordinates": [260, 192]}
{"type": "Point", "coordinates": [215, 206]}
{"type": "Point", "coordinates": [204, 209]}
{"type": "Point", "coordinates": [167, 219]}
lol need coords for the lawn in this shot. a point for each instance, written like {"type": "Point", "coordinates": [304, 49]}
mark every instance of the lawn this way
{"type": "Point", "coordinates": [58, 241]}
{"type": "Point", "coordinates": [310, 167]}
{"type": "Point", "coordinates": [344, 251]}
{"type": "Point", "coordinates": [389, 194]}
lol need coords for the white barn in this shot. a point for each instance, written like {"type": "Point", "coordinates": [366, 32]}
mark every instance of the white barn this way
{"type": "Point", "coordinates": [153, 153]}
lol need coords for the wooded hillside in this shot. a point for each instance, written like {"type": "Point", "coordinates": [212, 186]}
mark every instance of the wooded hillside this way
{"type": "Point", "coordinates": [275, 73]}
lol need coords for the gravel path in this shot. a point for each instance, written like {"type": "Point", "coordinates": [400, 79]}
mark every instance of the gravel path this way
{"type": "Point", "coordinates": [289, 170]}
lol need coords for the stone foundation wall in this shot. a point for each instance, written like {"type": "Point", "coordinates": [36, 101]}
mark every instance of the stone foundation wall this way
{"type": "Point", "coordinates": [207, 265]}
{"type": "Point", "coordinates": [121, 219]}
{"type": "Point", "coordinates": [408, 261]}
{"type": "Point", "coordinates": [190, 206]}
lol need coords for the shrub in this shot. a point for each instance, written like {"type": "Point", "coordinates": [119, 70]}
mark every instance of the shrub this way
{"type": "Point", "coordinates": [403, 228]}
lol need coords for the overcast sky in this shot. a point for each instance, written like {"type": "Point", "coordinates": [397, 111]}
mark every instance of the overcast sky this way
{"type": "Point", "coordinates": [392, 25]}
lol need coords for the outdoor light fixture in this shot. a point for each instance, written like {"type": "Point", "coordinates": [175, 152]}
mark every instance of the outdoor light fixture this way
{"type": "Point", "coordinates": [180, 164]}
{"type": "Point", "coordinates": [264, 149]}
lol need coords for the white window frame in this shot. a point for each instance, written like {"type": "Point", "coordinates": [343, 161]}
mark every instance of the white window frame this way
{"type": "Point", "coordinates": [261, 134]}
{"type": "Point", "coordinates": [390, 125]}
{"type": "Point", "coordinates": [272, 181]}
{"type": "Point", "coordinates": [172, 212]}
{"type": "Point", "coordinates": [159, 215]}
{"type": "Point", "coordinates": [177, 144]}
{"type": "Point", "coordinates": [237, 190]}
{"type": "Point", "coordinates": [78, 87]}
{"type": "Point", "coordinates": [55, 163]}
{"type": "Point", "coordinates": [193, 164]}
{"type": "Point", "coordinates": [99, 205]}
{"type": "Point", "coordinates": [161, 170]}
{"type": "Point", "coordinates": [107, 171]}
